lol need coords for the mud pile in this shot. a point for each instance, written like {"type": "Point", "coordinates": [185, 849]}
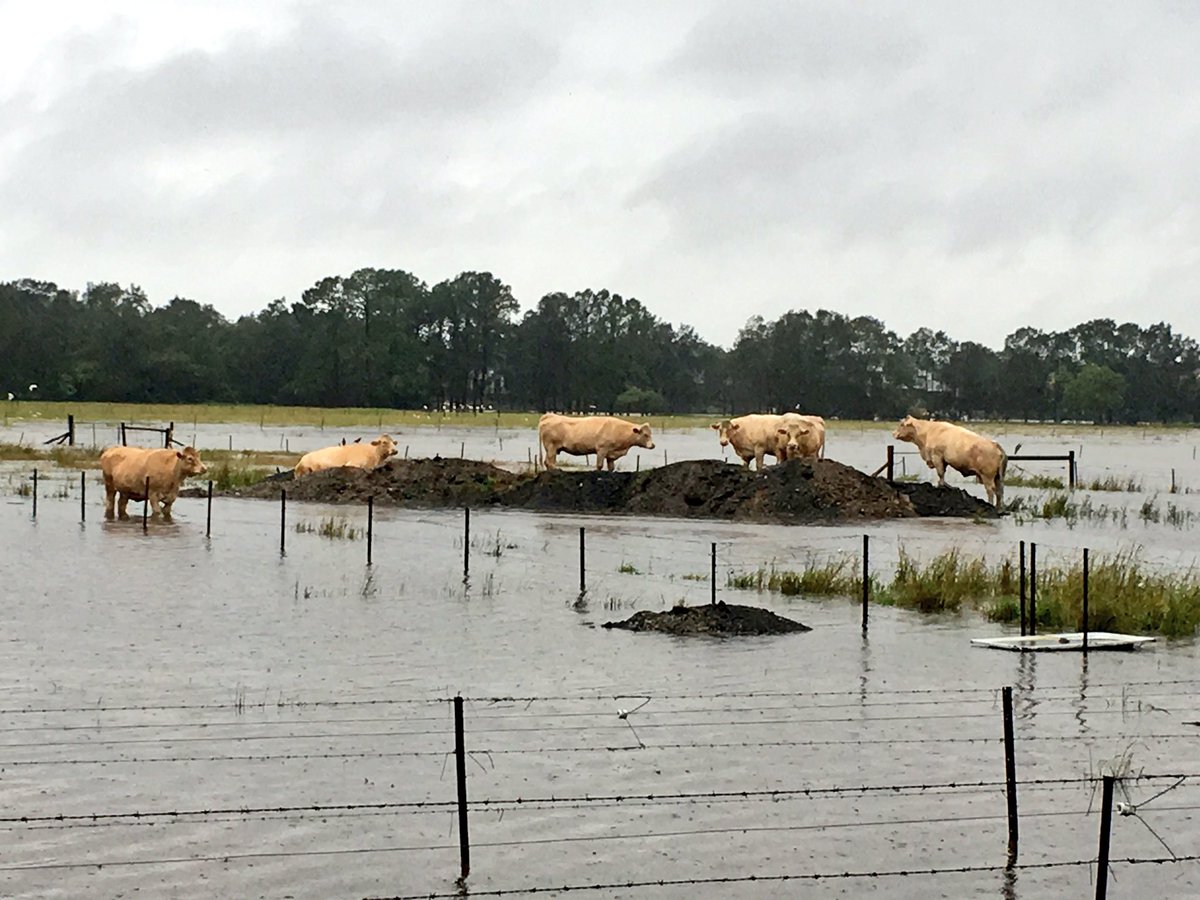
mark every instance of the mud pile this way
{"type": "Point", "coordinates": [718, 619]}
{"type": "Point", "coordinates": [795, 492]}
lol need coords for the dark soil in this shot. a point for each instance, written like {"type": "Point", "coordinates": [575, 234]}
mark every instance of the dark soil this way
{"type": "Point", "coordinates": [794, 492]}
{"type": "Point", "coordinates": [719, 618]}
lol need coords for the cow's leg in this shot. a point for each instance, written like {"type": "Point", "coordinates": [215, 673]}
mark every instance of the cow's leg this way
{"type": "Point", "coordinates": [758, 459]}
{"type": "Point", "coordinates": [939, 466]}
{"type": "Point", "coordinates": [611, 463]}
{"type": "Point", "coordinates": [110, 497]}
{"type": "Point", "coordinates": [550, 456]}
{"type": "Point", "coordinates": [121, 504]}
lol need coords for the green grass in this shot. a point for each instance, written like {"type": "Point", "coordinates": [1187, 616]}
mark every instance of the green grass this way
{"type": "Point", "coordinates": [337, 528]}
{"type": "Point", "coordinates": [1124, 595]}
{"type": "Point", "coordinates": [1043, 482]}
{"type": "Point", "coordinates": [1113, 483]}
{"type": "Point", "coordinates": [626, 568]}
{"type": "Point", "coordinates": [817, 577]}
{"type": "Point", "coordinates": [51, 413]}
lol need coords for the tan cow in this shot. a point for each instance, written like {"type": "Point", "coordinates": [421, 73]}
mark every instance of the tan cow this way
{"type": "Point", "coordinates": [361, 456]}
{"type": "Point", "coordinates": [126, 469]}
{"type": "Point", "coordinates": [608, 437]}
{"type": "Point", "coordinates": [800, 437]}
{"type": "Point", "coordinates": [944, 444]}
{"type": "Point", "coordinates": [752, 436]}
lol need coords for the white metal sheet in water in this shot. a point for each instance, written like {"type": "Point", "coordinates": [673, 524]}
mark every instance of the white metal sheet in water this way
{"type": "Point", "coordinates": [1097, 640]}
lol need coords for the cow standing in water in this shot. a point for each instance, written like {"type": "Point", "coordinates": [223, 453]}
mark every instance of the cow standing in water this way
{"type": "Point", "coordinates": [362, 456]}
{"type": "Point", "coordinates": [126, 470]}
{"type": "Point", "coordinates": [944, 444]}
{"type": "Point", "coordinates": [608, 437]}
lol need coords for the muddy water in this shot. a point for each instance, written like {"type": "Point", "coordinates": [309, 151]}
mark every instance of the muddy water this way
{"type": "Point", "coordinates": [167, 672]}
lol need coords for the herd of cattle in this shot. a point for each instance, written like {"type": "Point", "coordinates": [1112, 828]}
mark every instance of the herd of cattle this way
{"type": "Point", "coordinates": [155, 476]}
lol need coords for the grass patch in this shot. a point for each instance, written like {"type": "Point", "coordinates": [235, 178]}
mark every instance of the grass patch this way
{"type": "Point", "coordinates": [628, 569]}
{"type": "Point", "coordinates": [817, 577]}
{"type": "Point", "coordinates": [1042, 482]}
{"type": "Point", "coordinates": [226, 476]}
{"type": "Point", "coordinates": [1124, 595]}
{"type": "Point", "coordinates": [336, 528]}
{"type": "Point", "coordinates": [1113, 483]}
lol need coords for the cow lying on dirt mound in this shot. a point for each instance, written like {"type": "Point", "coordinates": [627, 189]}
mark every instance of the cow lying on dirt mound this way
{"type": "Point", "coordinates": [944, 444]}
{"type": "Point", "coordinates": [362, 456]}
{"type": "Point", "coordinates": [126, 470]}
{"type": "Point", "coordinates": [608, 437]}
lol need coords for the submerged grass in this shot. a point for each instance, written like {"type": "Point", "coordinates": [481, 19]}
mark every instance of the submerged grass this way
{"type": "Point", "coordinates": [1027, 480]}
{"type": "Point", "coordinates": [817, 577]}
{"type": "Point", "coordinates": [1113, 483]}
{"type": "Point", "coordinates": [337, 528]}
{"type": "Point", "coordinates": [1124, 594]}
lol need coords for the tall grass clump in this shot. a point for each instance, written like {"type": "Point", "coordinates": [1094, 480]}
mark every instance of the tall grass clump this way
{"type": "Point", "coordinates": [227, 476]}
{"type": "Point", "coordinates": [1027, 480]}
{"type": "Point", "coordinates": [817, 577]}
{"type": "Point", "coordinates": [1113, 483]}
{"type": "Point", "coordinates": [337, 528]}
{"type": "Point", "coordinates": [942, 584]}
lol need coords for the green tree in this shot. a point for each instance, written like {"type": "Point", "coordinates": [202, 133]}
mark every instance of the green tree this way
{"type": "Point", "coordinates": [1095, 392]}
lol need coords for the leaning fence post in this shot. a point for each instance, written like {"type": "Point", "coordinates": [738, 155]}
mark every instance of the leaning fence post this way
{"type": "Point", "coordinates": [208, 514]}
{"type": "Point", "coordinates": [1085, 600]}
{"type": "Point", "coordinates": [712, 575]}
{"type": "Point", "coordinates": [582, 563]}
{"type": "Point", "coordinates": [1022, 589]}
{"type": "Point", "coordinates": [460, 768]}
{"type": "Point", "coordinates": [1032, 588]}
{"type": "Point", "coordinates": [1106, 802]}
{"type": "Point", "coordinates": [1010, 775]}
{"type": "Point", "coordinates": [866, 579]}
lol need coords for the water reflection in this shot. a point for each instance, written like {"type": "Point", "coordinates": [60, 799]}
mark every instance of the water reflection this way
{"type": "Point", "coordinates": [1026, 699]}
{"type": "Point", "coordinates": [1081, 706]}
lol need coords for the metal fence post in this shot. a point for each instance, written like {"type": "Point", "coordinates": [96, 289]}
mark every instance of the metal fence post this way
{"type": "Point", "coordinates": [1106, 803]}
{"type": "Point", "coordinates": [866, 579]}
{"type": "Point", "coordinates": [1010, 775]}
{"type": "Point", "coordinates": [460, 767]}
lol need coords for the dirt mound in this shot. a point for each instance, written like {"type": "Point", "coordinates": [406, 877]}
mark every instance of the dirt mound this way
{"type": "Point", "coordinates": [795, 492]}
{"type": "Point", "coordinates": [719, 618]}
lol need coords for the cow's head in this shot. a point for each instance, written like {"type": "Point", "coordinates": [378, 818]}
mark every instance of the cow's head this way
{"type": "Point", "coordinates": [790, 435]}
{"type": "Point", "coordinates": [642, 436]}
{"type": "Point", "coordinates": [724, 429]}
{"type": "Point", "coordinates": [190, 464]}
{"type": "Point", "coordinates": [906, 430]}
{"type": "Point", "coordinates": [384, 446]}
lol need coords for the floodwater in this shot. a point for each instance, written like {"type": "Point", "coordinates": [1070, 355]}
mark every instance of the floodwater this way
{"type": "Point", "coordinates": [286, 714]}
{"type": "Point", "coordinates": [1153, 457]}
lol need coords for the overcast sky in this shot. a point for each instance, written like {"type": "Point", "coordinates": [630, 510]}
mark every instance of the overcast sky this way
{"type": "Point", "coordinates": [967, 166]}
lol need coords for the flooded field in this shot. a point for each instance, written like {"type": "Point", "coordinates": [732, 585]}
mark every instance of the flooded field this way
{"type": "Point", "coordinates": [280, 723]}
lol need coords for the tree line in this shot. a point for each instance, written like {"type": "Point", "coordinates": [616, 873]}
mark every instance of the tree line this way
{"type": "Point", "coordinates": [383, 337]}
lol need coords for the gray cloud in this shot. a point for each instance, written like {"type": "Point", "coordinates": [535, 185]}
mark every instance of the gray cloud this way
{"type": "Point", "coordinates": [878, 159]}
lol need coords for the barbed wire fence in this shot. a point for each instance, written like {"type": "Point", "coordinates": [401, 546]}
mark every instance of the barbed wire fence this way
{"type": "Point", "coordinates": [555, 750]}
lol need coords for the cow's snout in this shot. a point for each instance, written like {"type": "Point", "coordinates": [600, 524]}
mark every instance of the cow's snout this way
{"type": "Point", "coordinates": [724, 442]}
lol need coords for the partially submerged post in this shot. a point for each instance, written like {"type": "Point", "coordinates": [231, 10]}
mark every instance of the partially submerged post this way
{"type": "Point", "coordinates": [582, 563]}
{"type": "Point", "coordinates": [460, 772]}
{"type": "Point", "coordinates": [891, 463]}
{"type": "Point", "coordinates": [370, 525]}
{"type": "Point", "coordinates": [866, 579]}
{"type": "Point", "coordinates": [208, 513]}
{"type": "Point", "coordinates": [1010, 776]}
{"type": "Point", "coordinates": [82, 496]}
{"type": "Point", "coordinates": [1022, 589]}
{"type": "Point", "coordinates": [146, 505]}
{"type": "Point", "coordinates": [1085, 601]}
{"type": "Point", "coordinates": [1071, 478]}
{"type": "Point", "coordinates": [712, 575]}
{"type": "Point", "coordinates": [1032, 588]}
{"type": "Point", "coordinates": [35, 493]}
{"type": "Point", "coordinates": [1106, 802]}
{"type": "Point", "coordinates": [282, 521]}
{"type": "Point", "coordinates": [466, 543]}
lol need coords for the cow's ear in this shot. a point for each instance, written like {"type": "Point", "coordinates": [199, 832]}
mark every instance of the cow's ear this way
{"type": "Point", "coordinates": [179, 454]}
{"type": "Point", "coordinates": [781, 431]}
{"type": "Point", "coordinates": [376, 442]}
{"type": "Point", "coordinates": [715, 426]}
{"type": "Point", "coordinates": [734, 426]}
{"type": "Point", "coordinates": [637, 430]}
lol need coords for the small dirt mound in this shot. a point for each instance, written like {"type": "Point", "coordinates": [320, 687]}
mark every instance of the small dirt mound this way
{"type": "Point", "coordinates": [718, 618]}
{"type": "Point", "coordinates": [930, 500]}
